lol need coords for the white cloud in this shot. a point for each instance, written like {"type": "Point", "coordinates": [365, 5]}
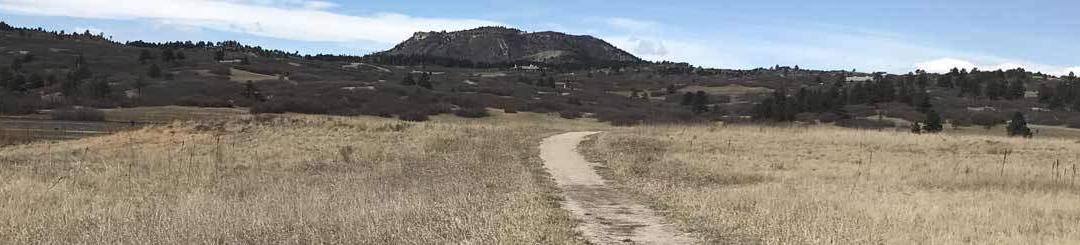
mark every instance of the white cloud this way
{"type": "Point", "coordinates": [944, 65]}
{"type": "Point", "coordinates": [319, 5]}
{"type": "Point", "coordinates": [84, 29]}
{"type": "Point", "coordinates": [1066, 71]}
{"type": "Point", "coordinates": [302, 20]}
{"type": "Point", "coordinates": [648, 47]}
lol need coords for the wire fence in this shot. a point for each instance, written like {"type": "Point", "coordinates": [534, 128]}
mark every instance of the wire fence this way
{"type": "Point", "coordinates": [22, 131]}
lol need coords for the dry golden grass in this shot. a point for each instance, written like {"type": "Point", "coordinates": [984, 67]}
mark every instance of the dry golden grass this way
{"type": "Point", "coordinates": [836, 186]}
{"type": "Point", "coordinates": [166, 114]}
{"type": "Point", "coordinates": [289, 179]}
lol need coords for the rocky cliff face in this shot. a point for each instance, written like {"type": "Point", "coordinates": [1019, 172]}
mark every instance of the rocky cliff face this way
{"type": "Point", "coordinates": [500, 45]}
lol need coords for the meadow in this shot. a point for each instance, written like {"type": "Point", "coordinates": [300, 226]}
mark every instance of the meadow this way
{"type": "Point", "coordinates": [290, 179]}
{"type": "Point", "coordinates": [826, 185]}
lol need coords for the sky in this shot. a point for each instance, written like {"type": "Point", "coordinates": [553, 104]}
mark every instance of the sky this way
{"type": "Point", "coordinates": [889, 36]}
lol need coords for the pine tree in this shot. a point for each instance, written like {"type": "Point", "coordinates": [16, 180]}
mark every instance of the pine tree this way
{"type": "Point", "coordinates": [167, 55]}
{"type": "Point", "coordinates": [154, 71]}
{"type": "Point", "coordinates": [16, 64]}
{"type": "Point", "coordinates": [139, 84]}
{"type": "Point", "coordinates": [701, 102]}
{"type": "Point", "coordinates": [408, 80]}
{"type": "Point", "coordinates": [687, 99]}
{"type": "Point", "coordinates": [1018, 126]}
{"type": "Point", "coordinates": [933, 122]}
{"type": "Point", "coordinates": [145, 56]}
{"type": "Point", "coordinates": [251, 92]}
{"type": "Point", "coordinates": [219, 55]}
{"type": "Point", "coordinates": [1016, 90]}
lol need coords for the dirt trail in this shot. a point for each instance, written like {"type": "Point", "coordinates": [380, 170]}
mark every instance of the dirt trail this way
{"type": "Point", "coordinates": [607, 216]}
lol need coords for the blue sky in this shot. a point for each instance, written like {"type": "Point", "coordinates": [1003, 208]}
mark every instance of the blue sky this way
{"type": "Point", "coordinates": [892, 36]}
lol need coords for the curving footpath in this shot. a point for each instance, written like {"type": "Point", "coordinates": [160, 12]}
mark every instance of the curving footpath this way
{"type": "Point", "coordinates": [607, 216]}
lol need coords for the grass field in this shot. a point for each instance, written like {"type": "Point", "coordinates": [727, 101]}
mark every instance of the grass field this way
{"type": "Point", "coordinates": [823, 185]}
{"type": "Point", "coordinates": [290, 179]}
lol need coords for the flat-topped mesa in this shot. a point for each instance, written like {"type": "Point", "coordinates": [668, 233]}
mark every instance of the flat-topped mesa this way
{"type": "Point", "coordinates": [508, 45]}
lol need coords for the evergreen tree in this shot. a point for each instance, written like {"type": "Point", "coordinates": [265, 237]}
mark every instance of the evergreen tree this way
{"type": "Point", "coordinates": [180, 55]}
{"type": "Point", "coordinates": [687, 99]}
{"type": "Point", "coordinates": [99, 87]}
{"type": "Point", "coordinates": [145, 56]}
{"type": "Point", "coordinates": [251, 92]}
{"type": "Point", "coordinates": [408, 80]}
{"type": "Point", "coordinates": [16, 64]}
{"type": "Point", "coordinates": [1018, 126]}
{"type": "Point", "coordinates": [139, 84]}
{"type": "Point", "coordinates": [425, 81]}
{"type": "Point", "coordinates": [701, 102]}
{"type": "Point", "coordinates": [17, 83]}
{"type": "Point", "coordinates": [933, 122]}
{"type": "Point", "coordinates": [922, 101]}
{"type": "Point", "coordinates": [35, 80]}
{"type": "Point", "coordinates": [167, 55]}
{"type": "Point", "coordinates": [219, 55]}
{"type": "Point", "coordinates": [154, 71]}
{"type": "Point", "coordinates": [1016, 90]}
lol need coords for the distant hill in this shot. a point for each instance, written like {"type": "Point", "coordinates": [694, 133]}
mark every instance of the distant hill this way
{"type": "Point", "coordinates": [494, 45]}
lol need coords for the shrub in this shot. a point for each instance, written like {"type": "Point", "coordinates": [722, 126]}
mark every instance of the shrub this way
{"type": "Point", "coordinates": [295, 105]}
{"type": "Point", "coordinates": [570, 114]}
{"type": "Point", "coordinates": [203, 101]}
{"type": "Point", "coordinates": [472, 112]}
{"type": "Point", "coordinates": [829, 117]}
{"type": "Point", "coordinates": [806, 117]}
{"type": "Point", "coordinates": [78, 114]}
{"type": "Point", "coordinates": [544, 106]}
{"type": "Point", "coordinates": [986, 120]}
{"type": "Point", "coordinates": [622, 118]}
{"type": "Point", "coordinates": [865, 124]}
{"type": "Point", "coordinates": [413, 116]}
{"type": "Point", "coordinates": [18, 104]}
{"type": "Point", "coordinates": [1074, 122]}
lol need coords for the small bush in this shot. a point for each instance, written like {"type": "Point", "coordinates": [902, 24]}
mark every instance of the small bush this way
{"type": "Point", "coordinates": [1074, 122]}
{"type": "Point", "coordinates": [295, 105]}
{"type": "Point", "coordinates": [987, 120]}
{"type": "Point", "coordinates": [472, 112]}
{"type": "Point", "coordinates": [203, 101]}
{"type": "Point", "coordinates": [413, 116]}
{"type": "Point", "coordinates": [829, 117]}
{"type": "Point", "coordinates": [622, 118]}
{"type": "Point", "coordinates": [865, 124]}
{"type": "Point", "coordinates": [570, 114]}
{"type": "Point", "coordinates": [78, 114]}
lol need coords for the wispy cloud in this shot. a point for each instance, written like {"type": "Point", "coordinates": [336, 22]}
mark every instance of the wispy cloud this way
{"type": "Point", "coordinates": [628, 24]}
{"type": "Point", "coordinates": [302, 20]}
{"type": "Point", "coordinates": [944, 65]}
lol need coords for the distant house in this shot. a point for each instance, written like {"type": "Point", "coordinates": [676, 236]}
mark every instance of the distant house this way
{"type": "Point", "coordinates": [983, 108]}
{"type": "Point", "coordinates": [859, 79]}
{"type": "Point", "coordinates": [527, 68]}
